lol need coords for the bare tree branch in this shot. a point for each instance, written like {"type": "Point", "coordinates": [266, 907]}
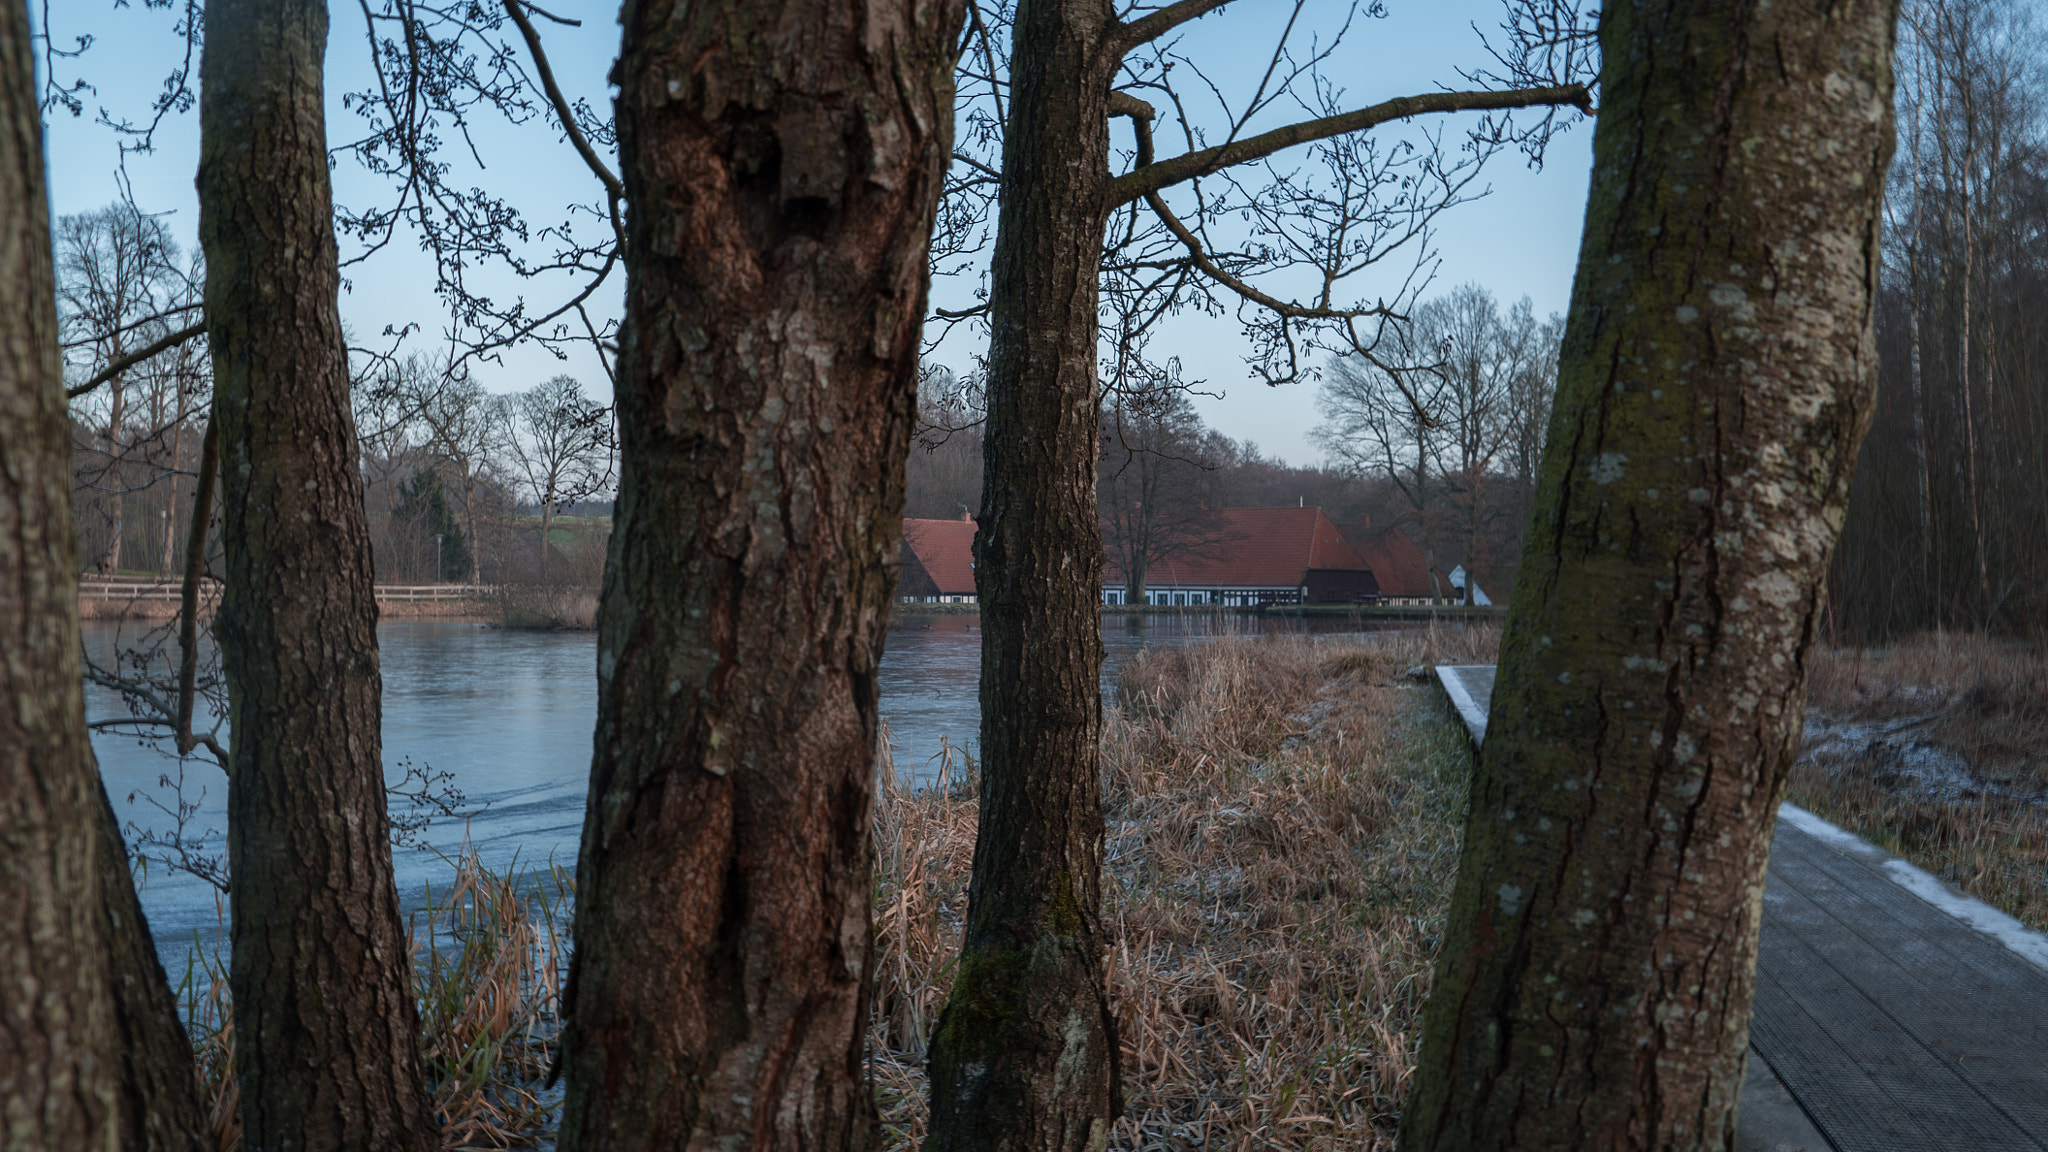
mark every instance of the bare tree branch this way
{"type": "Point", "coordinates": [1150, 178]}
{"type": "Point", "coordinates": [134, 358]}
{"type": "Point", "coordinates": [563, 113]}
{"type": "Point", "coordinates": [188, 606]}
{"type": "Point", "coordinates": [1152, 27]}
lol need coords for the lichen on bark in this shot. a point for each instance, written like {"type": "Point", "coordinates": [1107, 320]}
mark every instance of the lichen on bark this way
{"type": "Point", "coordinates": [1716, 378]}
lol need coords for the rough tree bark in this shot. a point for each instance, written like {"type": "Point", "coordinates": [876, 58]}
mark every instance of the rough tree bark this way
{"type": "Point", "coordinates": [59, 1064]}
{"type": "Point", "coordinates": [94, 1056]}
{"type": "Point", "coordinates": [160, 1109]}
{"type": "Point", "coordinates": [1025, 1054]}
{"type": "Point", "coordinates": [326, 1029]}
{"type": "Point", "coordinates": [783, 163]}
{"type": "Point", "coordinates": [1716, 377]}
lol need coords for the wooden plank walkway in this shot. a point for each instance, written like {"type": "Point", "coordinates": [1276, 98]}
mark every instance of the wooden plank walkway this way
{"type": "Point", "coordinates": [1892, 1012]}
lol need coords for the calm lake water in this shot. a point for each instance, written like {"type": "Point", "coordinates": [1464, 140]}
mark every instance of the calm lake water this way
{"type": "Point", "coordinates": [509, 715]}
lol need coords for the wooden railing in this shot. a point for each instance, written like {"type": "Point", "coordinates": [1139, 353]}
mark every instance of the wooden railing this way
{"type": "Point", "coordinates": [103, 588]}
{"type": "Point", "coordinates": [433, 591]}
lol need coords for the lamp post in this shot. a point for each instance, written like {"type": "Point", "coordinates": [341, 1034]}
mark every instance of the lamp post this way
{"type": "Point", "coordinates": [438, 577]}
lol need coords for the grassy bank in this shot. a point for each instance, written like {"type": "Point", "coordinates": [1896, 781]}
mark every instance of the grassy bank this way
{"type": "Point", "coordinates": [1937, 749]}
{"type": "Point", "coordinates": [1283, 819]}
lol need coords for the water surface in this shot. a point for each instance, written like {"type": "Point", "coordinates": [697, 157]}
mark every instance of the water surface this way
{"type": "Point", "coordinates": [508, 715]}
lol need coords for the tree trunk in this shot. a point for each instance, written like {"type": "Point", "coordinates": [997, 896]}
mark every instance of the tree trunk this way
{"type": "Point", "coordinates": [110, 559]}
{"type": "Point", "coordinates": [326, 1029]}
{"type": "Point", "coordinates": [783, 162]}
{"type": "Point", "coordinates": [1595, 981]}
{"type": "Point", "coordinates": [547, 521]}
{"type": "Point", "coordinates": [1026, 1054]}
{"type": "Point", "coordinates": [160, 1107]}
{"type": "Point", "coordinates": [476, 558]}
{"type": "Point", "coordinates": [163, 568]}
{"type": "Point", "coordinates": [59, 1050]}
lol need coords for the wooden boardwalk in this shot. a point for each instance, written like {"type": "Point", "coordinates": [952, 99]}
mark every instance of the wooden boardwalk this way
{"type": "Point", "coordinates": [1892, 1012]}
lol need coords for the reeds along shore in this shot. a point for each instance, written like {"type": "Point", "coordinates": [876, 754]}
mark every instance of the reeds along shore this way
{"type": "Point", "coordinates": [1283, 818]}
{"type": "Point", "coordinates": [1937, 748]}
{"type": "Point", "coordinates": [490, 951]}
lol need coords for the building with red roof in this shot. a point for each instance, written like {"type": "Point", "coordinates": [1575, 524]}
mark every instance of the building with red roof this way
{"type": "Point", "coordinates": [1397, 564]}
{"type": "Point", "coordinates": [938, 561]}
{"type": "Point", "coordinates": [1252, 556]}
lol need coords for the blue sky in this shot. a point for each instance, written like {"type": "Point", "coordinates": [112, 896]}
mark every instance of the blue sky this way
{"type": "Point", "coordinates": [1520, 240]}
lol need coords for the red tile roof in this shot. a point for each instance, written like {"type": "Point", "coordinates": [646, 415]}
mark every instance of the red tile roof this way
{"type": "Point", "coordinates": [1394, 559]}
{"type": "Point", "coordinates": [1254, 548]}
{"type": "Point", "coordinates": [946, 549]}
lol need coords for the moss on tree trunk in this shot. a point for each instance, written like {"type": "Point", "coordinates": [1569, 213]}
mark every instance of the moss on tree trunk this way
{"type": "Point", "coordinates": [1716, 377]}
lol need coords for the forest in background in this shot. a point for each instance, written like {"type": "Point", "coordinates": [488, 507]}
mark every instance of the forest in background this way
{"type": "Point", "coordinates": [1947, 526]}
{"type": "Point", "coordinates": [461, 485]}
{"type": "Point", "coordinates": [1446, 453]}
{"type": "Point", "coordinates": [1948, 516]}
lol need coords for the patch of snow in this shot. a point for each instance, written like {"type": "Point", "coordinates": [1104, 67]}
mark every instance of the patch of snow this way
{"type": "Point", "coordinates": [2030, 945]}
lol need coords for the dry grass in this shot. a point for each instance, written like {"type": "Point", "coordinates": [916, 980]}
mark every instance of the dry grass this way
{"type": "Point", "coordinates": [1937, 749]}
{"type": "Point", "coordinates": [1283, 818]}
{"type": "Point", "coordinates": [488, 960]}
{"type": "Point", "coordinates": [546, 607]}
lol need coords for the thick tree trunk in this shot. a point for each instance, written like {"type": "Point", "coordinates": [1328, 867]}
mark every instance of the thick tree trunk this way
{"type": "Point", "coordinates": [326, 1029]}
{"type": "Point", "coordinates": [1595, 982]}
{"type": "Point", "coordinates": [1026, 1055]}
{"type": "Point", "coordinates": [783, 162]}
{"type": "Point", "coordinates": [59, 1048]}
{"type": "Point", "coordinates": [159, 1091]}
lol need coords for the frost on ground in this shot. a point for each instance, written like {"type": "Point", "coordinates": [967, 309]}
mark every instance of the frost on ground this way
{"type": "Point", "coordinates": [1282, 825]}
{"type": "Point", "coordinates": [1937, 748]}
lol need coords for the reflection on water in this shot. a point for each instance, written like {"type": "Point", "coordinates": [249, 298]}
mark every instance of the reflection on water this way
{"type": "Point", "coordinates": [509, 716]}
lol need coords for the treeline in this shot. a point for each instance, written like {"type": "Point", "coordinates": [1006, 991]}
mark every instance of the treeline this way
{"type": "Point", "coordinates": [1948, 515]}
{"type": "Point", "coordinates": [460, 484]}
{"type": "Point", "coordinates": [1440, 438]}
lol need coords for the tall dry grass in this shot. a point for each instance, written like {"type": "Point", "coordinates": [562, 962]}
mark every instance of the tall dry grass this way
{"type": "Point", "coordinates": [489, 953]}
{"type": "Point", "coordinates": [1283, 818]}
{"type": "Point", "coordinates": [1937, 749]}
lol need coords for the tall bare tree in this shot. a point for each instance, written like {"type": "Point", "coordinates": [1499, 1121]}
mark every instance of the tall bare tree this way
{"type": "Point", "coordinates": [466, 428]}
{"type": "Point", "coordinates": [782, 162]}
{"type": "Point", "coordinates": [560, 441]}
{"type": "Point", "coordinates": [1154, 490]}
{"type": "Point", "coordinates": [1394, 424]}
{"type": "Point", "coordinates": [326, 1027]}
{"type": "Point", "coordinates": [1594, 985]}
{"type": "Point", "coordinates": [119, 291]}
{"type": "Point", "coordinates": [1945, 526]}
